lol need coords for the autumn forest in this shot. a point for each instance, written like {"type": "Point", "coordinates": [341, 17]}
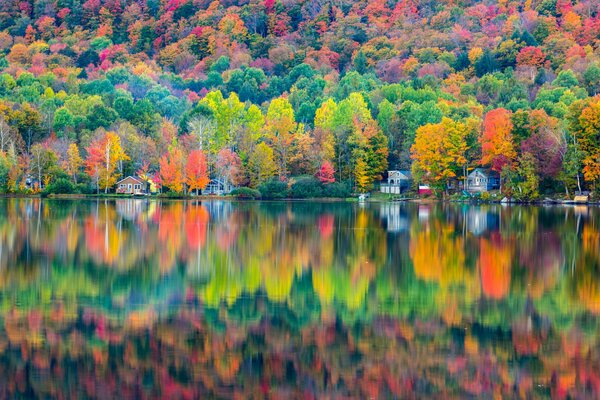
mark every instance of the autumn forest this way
{"type": "Point", "coordinates": [334, 93]}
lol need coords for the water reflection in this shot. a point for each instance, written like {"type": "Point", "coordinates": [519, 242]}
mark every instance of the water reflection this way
{"type": "Point", "coordinates": [137, 298]}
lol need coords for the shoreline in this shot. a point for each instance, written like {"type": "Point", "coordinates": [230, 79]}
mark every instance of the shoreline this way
{"type": "Point", "coordinates": [169, 198]}
{"type": "Point", "coordinates": [112, 196]}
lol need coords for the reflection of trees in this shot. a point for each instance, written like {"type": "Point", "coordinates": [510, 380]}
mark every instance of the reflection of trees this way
{"type": "Point", "coordinates": [495, 263]}
{"type": "Point", "coordinates": [585, 286]}
{"type": "Point", "coordinates": [437, 251]}
{"type": "Point", "coordinates": [197, 300]}
{"type": "Point", "coordinates": [133, 244]}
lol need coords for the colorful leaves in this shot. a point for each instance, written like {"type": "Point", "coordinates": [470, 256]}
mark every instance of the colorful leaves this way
{"type": "Point", "coordinates": [171, 169]}
{"type": "Point", "coordinates": [497, 148]}
{"type": "Point", "coordinates": [196, 171]}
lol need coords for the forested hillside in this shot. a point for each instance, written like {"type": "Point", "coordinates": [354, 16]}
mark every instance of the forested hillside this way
{"type": "Point", "coordinates": [180, 91]}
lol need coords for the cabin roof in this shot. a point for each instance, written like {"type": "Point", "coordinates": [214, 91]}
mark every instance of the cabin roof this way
{"type": "Point", "coordinates": [406, 173]}
{"type": "Point", "coordinates": [483, 172]}
{"type": "Point", "coordinates": [132, 177]}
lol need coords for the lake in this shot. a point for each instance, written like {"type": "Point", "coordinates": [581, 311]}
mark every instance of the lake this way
{"type": "Point", "coordinates": [141, 298]}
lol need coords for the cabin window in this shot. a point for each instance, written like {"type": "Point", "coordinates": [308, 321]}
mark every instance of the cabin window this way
{"type": "Point", "coordinates": [129, 186]}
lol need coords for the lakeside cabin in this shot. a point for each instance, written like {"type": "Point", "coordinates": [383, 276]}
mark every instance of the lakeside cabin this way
{"type": "Point", "coordinates": [132, 185]}
{"type": "Point", "coordinates": [218, 187]}
{"type": "Point", "coordinates": [482, 180]}
{"type": "Point", "coordinates": [397, 182]}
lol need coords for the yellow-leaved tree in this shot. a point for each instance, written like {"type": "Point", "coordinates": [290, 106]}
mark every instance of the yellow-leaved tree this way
{"type": "Point", "coordinates": [439, 152]}
{"type": "Point", "coordinates": [104, 159]}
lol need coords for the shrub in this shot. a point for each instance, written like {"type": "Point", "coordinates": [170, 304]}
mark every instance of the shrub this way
{"type": "Point", "coordinates": [61, 186]}
{"type": "Point", "coordinates": [306, 187]}
{"type": "Point", "coordinates": [172, 195]}
{"type": "Point", "coordinates": [337, 189]}
{"type": "Point", "coordinates": [273, 189]}
{"type": "Point", "coordinates": [245, 193]}
{"type": "Point", "coordinates": [84, 188]}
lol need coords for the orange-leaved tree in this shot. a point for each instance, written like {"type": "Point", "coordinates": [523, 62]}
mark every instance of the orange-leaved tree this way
{"type": "Point", "coordinates": [196, 171]}
{"type": "Point", "coordinates": [171, 169]}
{"type": "Point", "coordinates": [497, 146]}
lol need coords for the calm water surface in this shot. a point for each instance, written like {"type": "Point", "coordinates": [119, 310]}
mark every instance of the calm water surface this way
{"type": "Point", "coordinates": [143, 299]}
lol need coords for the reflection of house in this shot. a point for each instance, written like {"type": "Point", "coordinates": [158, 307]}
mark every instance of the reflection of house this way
{"type": "Point", "coordinates": [130, 209]}
{"type": "Point", "coordinates": [218, 186]}
{"type": "Point", "coordinates": [480, 221]}
{"type": "Point", "coordinates": [396, 221]}
{"type": "Point", "coordinates": [397, 182]}
{"type": "Point", "coordinates": [218, 210]}
{"type": "Point", "coordinates": [483, 180]}
{"type": "Point", "coordinates": [132, 185]}
{"type": "Point", "coordinates": [423, 213]}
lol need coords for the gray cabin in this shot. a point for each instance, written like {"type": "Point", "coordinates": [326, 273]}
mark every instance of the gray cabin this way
{"type": "Point", "coordinates": [397, 182]}
{"type": "Point", "coordinates": [482, 180]}
{"type": "Point", "coordinates": [218, 187]}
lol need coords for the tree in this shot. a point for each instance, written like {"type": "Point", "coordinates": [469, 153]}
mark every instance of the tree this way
{"type": "Point", "coordinates": [8, 136]}
{"type": "Point", "coordinates": [303, 157]}
{"type": "Point", "coordinates": [324, 129]}
{"type": "Point", "coordinates": [196, 171]}
{"type": "Point", "coordinates": [591, 77]}
{"type": "Point", "coordinates": [261, 165]}
{"type": "Point", "coordinates": [171, 169]}
{"type": "Point", "coordinates": [41, 160]}
{"type": "Point", "coordinates": [280, 127]}
{"type": "Point", "coordinates": [202, 128]}
{"type": "Point", "coordinates": [585, 127]}
{"type": "Point", "coordinates": [73, 162]}
{"type": "Point", "coordinates": [571, 168]}
{"type": "Point", "coordinates": [104, 156]}
{"type": "Point", "coordinates": [4, 171]}
{"type": "Point", "coordinates": [521, 182]}
{"type": "Point", "coordinates": [497, 148]}
{"type": "Point", "coordinates": [369, 144]}
{"type": "Point", "coordinates": [350, 119]}
{"type": "Point", "coordinates": [326, 173]}
{"type": "Point", "coordinates": [228, 114]}
{"type": "Point", "coordinates": [28, 122]}
{"type": "Point", "coordinates": [361, 176]}
{"type": "Point", "coordinates": [229, 166]}
{"type": "Point", "coordinates": [531, 56]}
{"type": "Point", "coordinates": [546, 144]}
{"type": "Point", "coordinates": [440, 152]}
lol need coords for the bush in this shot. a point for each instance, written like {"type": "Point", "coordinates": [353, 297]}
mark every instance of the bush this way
{"type": "Point", "coordinates": [61, 186]}
{"type": "Point", "coordinates": [273, 189]}
{"type": "Point", "coordinates": [337, 189]}
{"type": "Point", "coordinates": [172, 195]}
{"type": "Point", "coordinates": [84, 188]}
{"type": "Point", "coordinates": [245, 193]}
{"type": "Point", "coordinates": [306, 187]}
